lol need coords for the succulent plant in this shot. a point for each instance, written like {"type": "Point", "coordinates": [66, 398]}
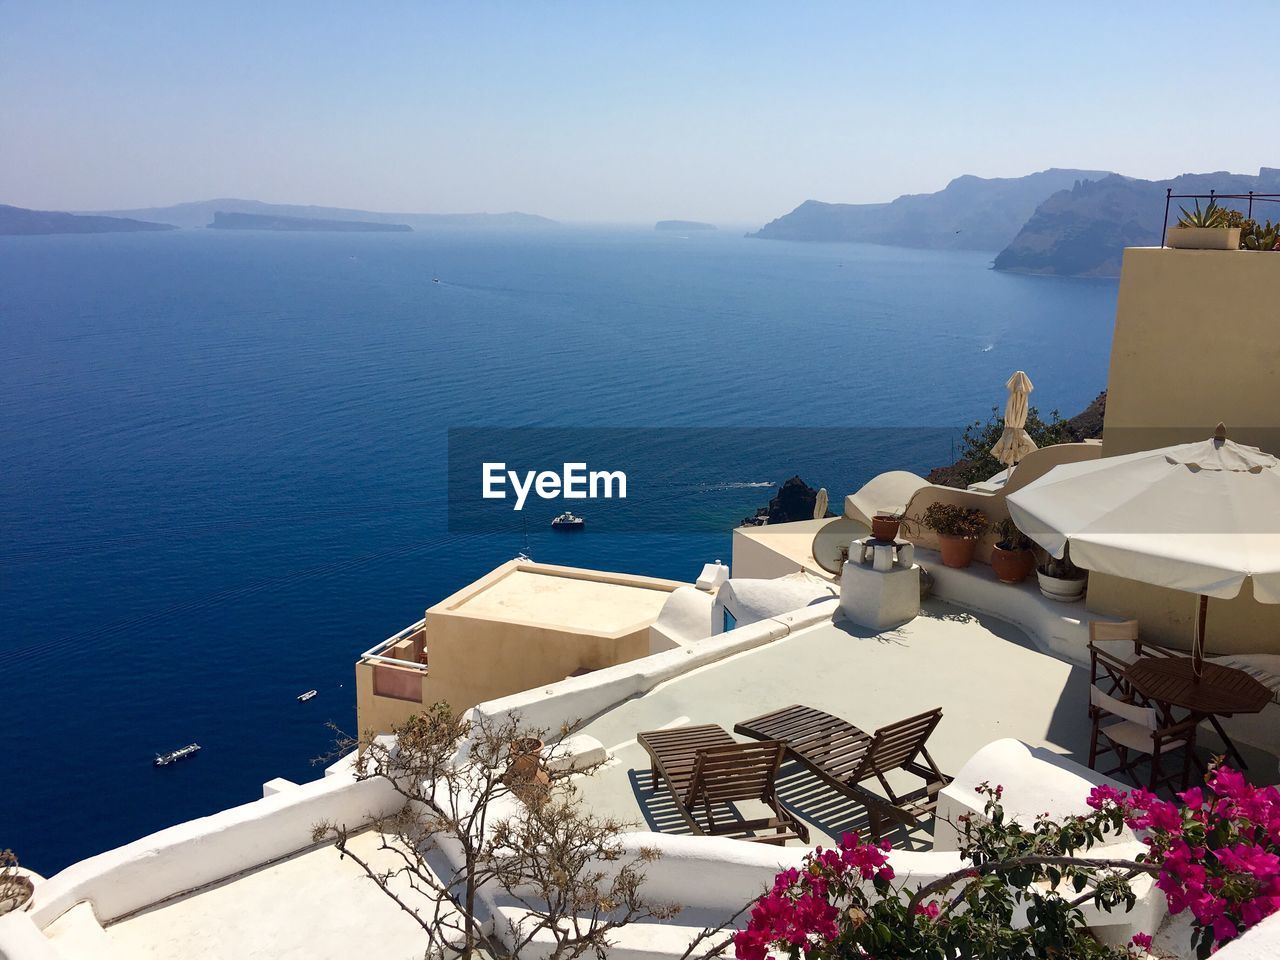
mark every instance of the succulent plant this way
{"type": "Point", "coordinates": [1255, 236]}
{"type": "Point", "coordinates": [1211, 216]}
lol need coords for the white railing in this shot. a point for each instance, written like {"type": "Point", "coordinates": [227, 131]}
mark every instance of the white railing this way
{"type": "Point", "coordinates": [375, 653]}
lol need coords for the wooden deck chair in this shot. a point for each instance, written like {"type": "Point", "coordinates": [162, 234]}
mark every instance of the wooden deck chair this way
{"type": "Point", "coordinates": [704, 766]}
{"type": "Point", "coordinates": [845, 757]}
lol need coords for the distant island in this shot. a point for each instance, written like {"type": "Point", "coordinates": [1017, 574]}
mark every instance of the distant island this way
{"type": "Point", "coordinates": [256, 221]}
{"type": "Point", "coordinates": [200, 213]}
{"type": "Point", "coordinates": [971, 213]}
{"type": "Point", "coordinates": [20, 222]}
{"type": "Point", "coordinates": [683, 225]}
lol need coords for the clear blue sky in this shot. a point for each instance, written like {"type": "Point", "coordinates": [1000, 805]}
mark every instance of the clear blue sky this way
{"type": "Point", "coordinates": [731, 112]}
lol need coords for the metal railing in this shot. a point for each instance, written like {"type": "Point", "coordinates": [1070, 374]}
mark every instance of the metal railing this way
{"type": "Point", "coordinates": [1213, 196]}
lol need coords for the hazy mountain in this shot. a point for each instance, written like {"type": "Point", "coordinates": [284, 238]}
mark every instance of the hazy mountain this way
{"type": "Point", "coordinates": [1081, 232]}
{"type": "Point", "coordinates": [17, 221]}
{"type": "Point", "coordinates": [257, 221]}
{"type": "Point", "coordinates": [682, 225]}
{"type": "Point", "coordinates": [200, 214]}
{"type": "Point", "coordinates": [972, 213]}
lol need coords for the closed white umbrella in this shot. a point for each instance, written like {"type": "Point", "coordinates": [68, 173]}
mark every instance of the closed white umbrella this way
{"type": "Point", "coordinates": [820, 504]}
{"type": "Point", "coordinates": [1015, 443]}
{"type": "Point", "coordinates": [1199, 517]}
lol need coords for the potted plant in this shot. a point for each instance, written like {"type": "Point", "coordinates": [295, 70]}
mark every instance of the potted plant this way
{"type": "Point", "coordinates": [1061, 580]}
{"type": "Point", "coordinates": [1207, 229]}
{"type": "Point", "coordinates": [884, 526]}
{"type": "Point", "coordinates": [958, 529]}
{"type": "Point", "coordinates": [15, 889]}
{"type": "Point", "coordinates": [1011, 558]}
{"type": "Point", "coordinates": [526, 758]}
{"type": "Point", "coordinates": [1256, 236]}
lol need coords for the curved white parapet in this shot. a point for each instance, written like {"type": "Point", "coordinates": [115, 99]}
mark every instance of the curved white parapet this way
{"type": "Point", "coordinates": [575, 700]}
{"type": "Point", "coordinates": [886, 493]}
{"type": "Point", "coordinates": [1260, 943]}
{"type": "Point", "coordinates": [199, 852]}
{"type": "Point", "coordinates": [1035, 781]}
{"type": "Point", "coordinates": [685, 618]}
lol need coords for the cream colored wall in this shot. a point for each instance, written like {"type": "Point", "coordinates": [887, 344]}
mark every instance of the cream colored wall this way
{"type": "Point", "coordinates": [376, 714]}
{"type": "Point", "coordinates": [477, 656]}
{"type": "Point", "coordinates": [476, 660]}
{"type": "Point", "coordinates": [1033, 467]}
{"type": "Point", "coordinates": [1197, 341]}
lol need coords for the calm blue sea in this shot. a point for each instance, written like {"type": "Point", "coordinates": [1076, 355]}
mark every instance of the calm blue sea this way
{"type": "Point", "coordinates": [224, 456]}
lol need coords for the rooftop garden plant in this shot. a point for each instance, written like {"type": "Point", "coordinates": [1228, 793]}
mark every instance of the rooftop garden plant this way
{"type": "Point", "coordinates": [1212, 216]}
{"type": "Point", "coordinates": [15, 889]}
{"type": "Point", "coordinates": [1011, 558]}
{"type": "Point", "coordinates": [958, 529]}
{"type": "Point", "coordinates": [1011, 538]}
{"type": "Point", "coordinates": [1215, 855]}
{"type": "Point", "coordinates": [1062, 569]}
{"type": "Point", "coordinates": [1255, 236]}
{"type": "Point", "coordinates": [953, 520]}
{"type": "Point", "coordinates": [1212, 228]}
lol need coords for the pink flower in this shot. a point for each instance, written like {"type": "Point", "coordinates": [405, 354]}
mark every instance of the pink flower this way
{"type": "Point", "coordinates": [1142, 941]}
{"type": "Point", "coordinates": [930, 909]}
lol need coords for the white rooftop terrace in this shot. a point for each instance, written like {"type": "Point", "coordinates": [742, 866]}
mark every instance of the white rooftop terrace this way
{"type": "Point", "coordinates": [313, 905]}
{"type": "Point", "coordinates": [988, 678]}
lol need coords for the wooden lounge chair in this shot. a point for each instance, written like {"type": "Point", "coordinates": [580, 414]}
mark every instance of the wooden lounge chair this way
{"type": "Point", "coordinates": [704, 765]}
{"type": "Point", "coordinates": [844, 757]}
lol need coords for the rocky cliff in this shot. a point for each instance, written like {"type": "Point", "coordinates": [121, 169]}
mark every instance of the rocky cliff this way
{"type": "Point", "coordinates": [971, 213]}
{"type": "Point", "coordinates": [1082, 232]}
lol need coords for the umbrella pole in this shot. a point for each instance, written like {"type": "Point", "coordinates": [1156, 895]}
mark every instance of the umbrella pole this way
{"type": "Point", "coordinates": [1197, 646]}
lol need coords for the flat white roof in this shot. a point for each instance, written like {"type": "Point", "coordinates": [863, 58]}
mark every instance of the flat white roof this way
{"type": "Point", "coordinates": [311, 906]}
{"type": "Point", "coordinates": [577, 603]}
{"type": "Point", "coordinates": [985, 675]}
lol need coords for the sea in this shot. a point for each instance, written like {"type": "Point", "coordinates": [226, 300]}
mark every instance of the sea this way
{"type": "Point", "coordinates": [226, 457]}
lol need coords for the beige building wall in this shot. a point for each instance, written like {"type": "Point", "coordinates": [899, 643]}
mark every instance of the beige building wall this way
{"type": "Point", "coordinates": [1197, 341]}
{"type": "Point", "coordinates": [520, 626]}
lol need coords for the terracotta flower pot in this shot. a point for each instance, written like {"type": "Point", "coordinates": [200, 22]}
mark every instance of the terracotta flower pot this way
{"type": "Point", "coordinates": [957, 551]}
{"type": "Point", "coordinates": [526, 758]}
{"type": "Point", "coordinates": [885, 527]}
{"type": "Point", "coordinates": [1012, 566]}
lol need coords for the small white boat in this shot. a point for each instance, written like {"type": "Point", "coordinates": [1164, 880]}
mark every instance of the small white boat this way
{"type": "Point", "coordinates": [173, 756]}
{"type": "Point", "coordinates": [304, 697]}
{"type": "Point", "coordinates": [568, 521]}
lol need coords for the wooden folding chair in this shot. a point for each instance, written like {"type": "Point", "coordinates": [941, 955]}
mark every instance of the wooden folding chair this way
{"type": "Point", "coordinates": [704, 766]}
{"type": "Point", "coordinates": [1139, 732]}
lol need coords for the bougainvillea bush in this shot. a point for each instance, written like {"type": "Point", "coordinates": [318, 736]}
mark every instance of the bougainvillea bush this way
{"type": "Point", "coordinates": [1216, 854]}
{"type": "Point", "coordinates": [1023, 888]}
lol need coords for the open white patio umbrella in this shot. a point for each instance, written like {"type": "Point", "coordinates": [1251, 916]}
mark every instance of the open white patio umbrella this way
{"type": "Point", "coordinates": [1199, 517]}
{"type": "Point", "coordinates": [820, 504]}
{"type": "Point", "coordinates": [1015, 443]}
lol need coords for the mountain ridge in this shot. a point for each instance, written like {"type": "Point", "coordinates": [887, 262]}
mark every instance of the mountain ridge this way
{"type": "Point", "coordinates": [970, 213]}
{"type": "Point", "coordinates": [1082, 232]}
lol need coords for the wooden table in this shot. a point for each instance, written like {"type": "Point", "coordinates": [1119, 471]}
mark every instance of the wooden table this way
{"type": "Point", "coordinates": [1219, 692]}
